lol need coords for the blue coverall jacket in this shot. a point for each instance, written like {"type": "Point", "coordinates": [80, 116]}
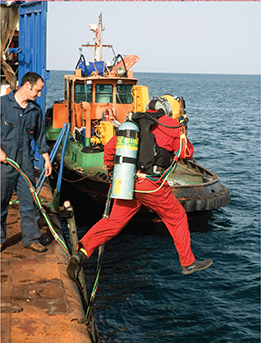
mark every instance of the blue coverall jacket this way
{"type": "Point", "coordinates": [18, 128]}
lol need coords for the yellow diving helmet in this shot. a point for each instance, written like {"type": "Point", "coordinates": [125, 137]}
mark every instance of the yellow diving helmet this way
{"type": "Point", "coordinates": [173, 106]}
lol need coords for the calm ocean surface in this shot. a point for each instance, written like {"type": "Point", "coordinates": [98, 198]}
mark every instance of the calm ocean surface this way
{"type": "Point", "coordinates": [142, 295]}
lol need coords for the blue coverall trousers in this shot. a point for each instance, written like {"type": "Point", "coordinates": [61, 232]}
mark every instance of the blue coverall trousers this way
{"type": "Point", "coordinates": [18, 128]}
{"type": "Point", "coordinates": [11, 179]}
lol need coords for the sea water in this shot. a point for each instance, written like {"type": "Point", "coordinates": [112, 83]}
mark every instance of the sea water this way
{"type": "Point", "coordinates": [142, 295]}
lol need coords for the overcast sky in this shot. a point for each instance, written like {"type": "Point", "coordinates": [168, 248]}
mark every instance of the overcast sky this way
{"type": "Point", "coordinates": [177, 37]}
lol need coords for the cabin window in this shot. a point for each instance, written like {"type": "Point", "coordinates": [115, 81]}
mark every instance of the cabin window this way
{"type": "Point", "coordinates": [65, 89]}
{"type": "Point", "coordinates": [70, 90]}
{"type": "Point", "coordinates": [123, 95]}
{"type": "Point", "coordinates": [83, 92]}
{"type": "Point", "coordinates": [104, 93]}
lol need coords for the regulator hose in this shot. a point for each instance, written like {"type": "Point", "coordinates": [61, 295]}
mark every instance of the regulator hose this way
{"type": "Point", "coordinates": [183, 120]}
{"type": "Point", "coordinates": [38, 203]}
{"type": "Point", "coordinates": [164, 175]}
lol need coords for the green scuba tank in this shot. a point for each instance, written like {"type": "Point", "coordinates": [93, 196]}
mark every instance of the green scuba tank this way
{"type": "Point", "coordinates": [125, 161]}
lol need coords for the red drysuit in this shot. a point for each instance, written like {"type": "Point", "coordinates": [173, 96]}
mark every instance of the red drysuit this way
{"type": "Point", "coordinates": [163, 202]}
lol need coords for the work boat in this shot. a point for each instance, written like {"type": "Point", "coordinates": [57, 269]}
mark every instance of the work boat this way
{"type": "Point", "coordinates": [97, 99]}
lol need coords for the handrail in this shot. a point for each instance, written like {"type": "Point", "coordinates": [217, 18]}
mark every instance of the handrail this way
{"type": "Point", "coordinates": [57, 144]}
{"type": "Point", "coordinates": [59, 179]}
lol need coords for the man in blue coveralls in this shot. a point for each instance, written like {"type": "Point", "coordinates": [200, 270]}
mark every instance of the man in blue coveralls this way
{"type": "Point", "coordinates": [22, 121]}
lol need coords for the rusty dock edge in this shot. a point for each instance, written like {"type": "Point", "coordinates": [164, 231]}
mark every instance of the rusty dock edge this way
{"type": "Point", "coordinates": [39, 302]}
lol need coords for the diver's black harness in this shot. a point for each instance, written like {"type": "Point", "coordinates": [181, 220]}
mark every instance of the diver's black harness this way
{"type": "Point", "coordinates": [149, 153]}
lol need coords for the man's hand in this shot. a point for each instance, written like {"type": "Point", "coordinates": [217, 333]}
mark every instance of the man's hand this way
{"type": "Point", "coordinates": [3, 156]}
{"type": "Point", "coordinates": [47, 164]}
{"type": "Point", "coordinates": [48, 168]}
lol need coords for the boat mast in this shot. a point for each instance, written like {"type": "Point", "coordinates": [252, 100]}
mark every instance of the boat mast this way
{"type": "Point", "coordinates": [97, 29]}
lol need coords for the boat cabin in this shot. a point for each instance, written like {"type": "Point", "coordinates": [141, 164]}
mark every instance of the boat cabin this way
{"type": "Point", "coordinates": [90, 100]}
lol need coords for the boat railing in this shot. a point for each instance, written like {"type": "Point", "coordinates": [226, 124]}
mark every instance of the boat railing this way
{"type": "Point", "coordinates": [65, 131]}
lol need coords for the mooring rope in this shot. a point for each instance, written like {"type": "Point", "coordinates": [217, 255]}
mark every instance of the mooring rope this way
{"type": "Point", "coordinates": [99, 261]}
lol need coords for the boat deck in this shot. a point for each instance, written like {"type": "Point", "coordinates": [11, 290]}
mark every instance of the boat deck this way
{"type": "Point", "coordinates": [39, 303]}
{"type": "Point", "coordinates": [182, 175]}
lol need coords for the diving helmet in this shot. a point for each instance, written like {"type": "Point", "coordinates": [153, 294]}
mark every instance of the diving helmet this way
{"type": "Point", "coordinates": [172, 106]}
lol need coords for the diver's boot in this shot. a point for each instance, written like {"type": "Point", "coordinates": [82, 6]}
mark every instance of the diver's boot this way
{"type": "Point", "coordinates": [196, 266]}
{"type": "Point", "coordinates": [75, 264]}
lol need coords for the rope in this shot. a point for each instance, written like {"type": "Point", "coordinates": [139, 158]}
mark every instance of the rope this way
{"type": "Point", "coordinates": [78, 180]}
{"type": "Point", "coordinates": [99, 261]}
{"type": "Point", "coordinates": [72, 181]}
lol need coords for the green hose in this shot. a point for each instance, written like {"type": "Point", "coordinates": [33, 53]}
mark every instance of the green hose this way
{"type": "Point", "coordinates": [38, 203]}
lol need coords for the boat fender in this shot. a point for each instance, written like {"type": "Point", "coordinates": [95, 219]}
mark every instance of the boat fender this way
{"type": "Point", "coordinates": [125, 161]}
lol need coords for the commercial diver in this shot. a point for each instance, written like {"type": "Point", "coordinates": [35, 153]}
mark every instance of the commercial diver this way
{"type": "Point", "coordinates": [149, 191]}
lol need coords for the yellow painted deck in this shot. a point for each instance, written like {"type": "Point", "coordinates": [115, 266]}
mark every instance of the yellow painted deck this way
{"type": "Point", "coordinates": [39, 302]}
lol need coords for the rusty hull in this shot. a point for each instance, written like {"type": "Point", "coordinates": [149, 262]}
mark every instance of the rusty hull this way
{"type": "Point", "coordinates": [39, 303]}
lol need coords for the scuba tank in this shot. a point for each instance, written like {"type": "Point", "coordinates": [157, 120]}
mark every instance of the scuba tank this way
{"type": "Point", "coordinates": [125, 161]}
{"type": "Point", "coordinates": [136, 146]}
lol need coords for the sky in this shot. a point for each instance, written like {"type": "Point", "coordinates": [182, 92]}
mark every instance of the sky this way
{"type": "Point", "coordinates": [212, 37]}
